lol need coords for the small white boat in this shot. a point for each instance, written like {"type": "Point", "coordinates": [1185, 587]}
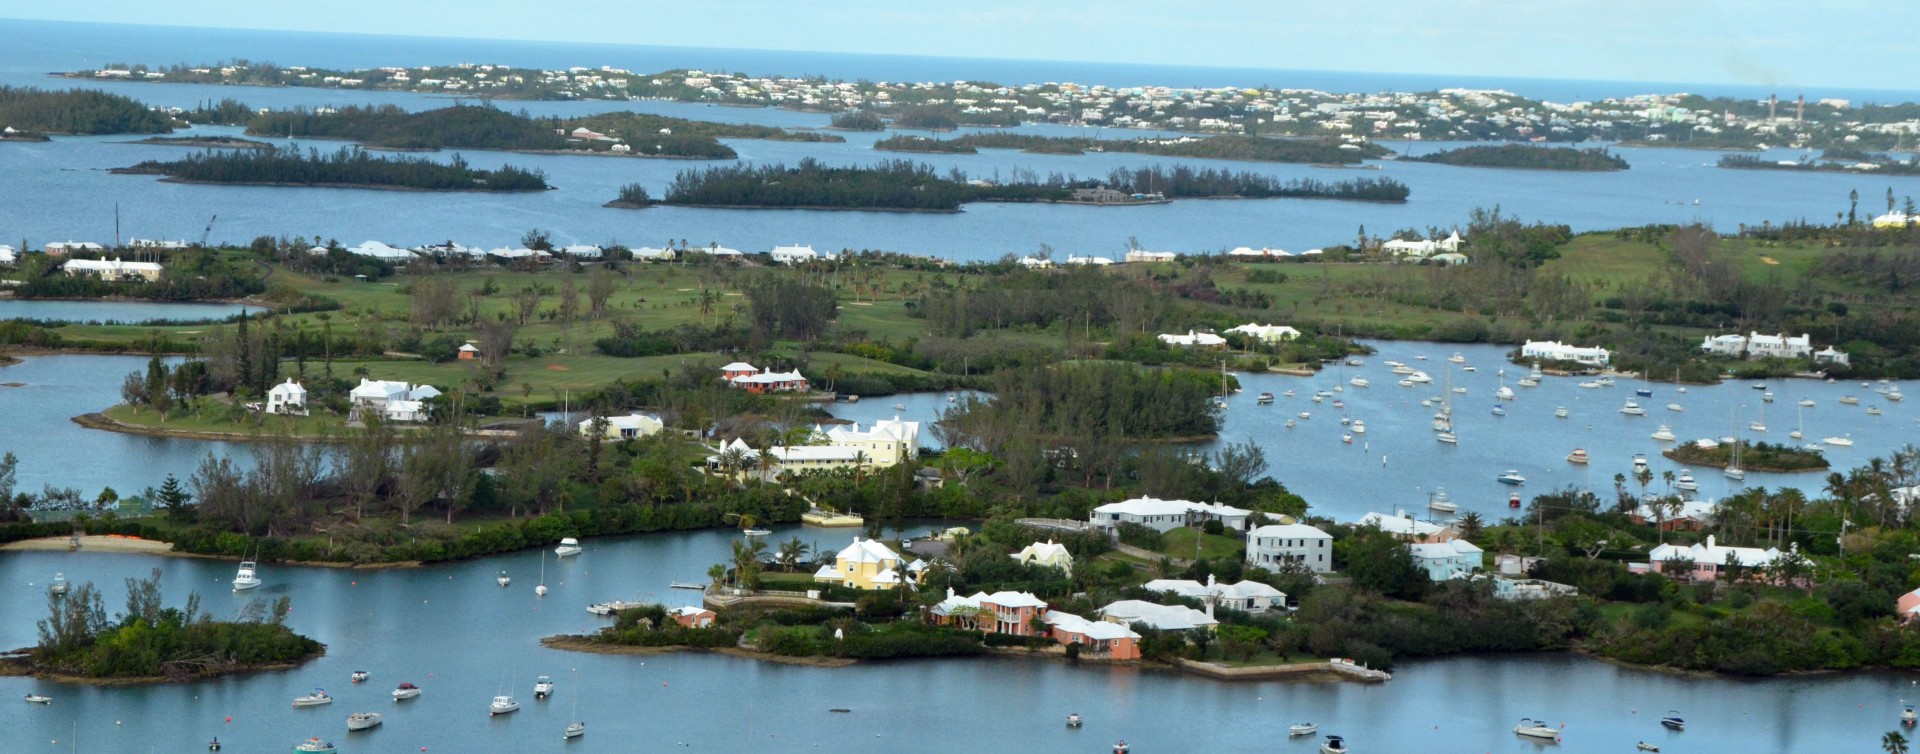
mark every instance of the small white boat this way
{"type": "Point", "coordinates": [1644, 746]}
{"type": "Point", "coordinates": [574, 729]}
{"type": "Point", "coordinates": [1288, 393]}
{"type": "Point", "coordinates": [1499, 411]}
{"type": "Point", "coordinates": [1359, 427]}
{"type": "Point", "coordinates": [405, 691]}
{"type": "Point", "coordinates": [1633, 409]}
{"type": "Point", "coordinates": [756, 532]}
{"type": "Point", "coordinates": [542, 687]}
{"type": "Point", "coordinates": [1073, 720]}
{"type": "Point", "coordinates": [315, 746]}
{"type": "Point", "coordinates": [501, 705]}
{"type": "Point", "coordinates": [1406, 383]}
{"type": "Point", "coordinates": [1757, 426]}
{"type": "Point", "coordinates": [1511, 477]}
{"type": "Point", "coordinates": [1534, 729]}
{"type": "Point", "coordinates": [1394, 364]}
{"type": "Point", "coordinates": [38, 699]}
{"type": "Point", "coordinates": [1806, 402]}
{"type": "Point", "coordinates": [1843, 442]}
{"type": "Point", "coordinates": [1302, 729]}
{"type": "Point", "coordinates": [1579, 455]}
{"type": "Point", "coordinates": [247, 577]}
{"type": "Point", "coordinates": [1560, 413]}
{"type": "Point", "coordinates": [1457, 358]}
{"type": "Point", "coordinates": [1403, 369]}
{"type": "Point", "coordinates": [1766, 397]}
{"type": "Point", "coordinates": [315, 699]}
{"type": "Point", "coordinates": [899, 406]}
{"type": "Point", "coordinates": [360, 676]}
{"type": "Point", "coordinates": [1665, 434]}
{"type": "Point", "coordinates": [1354, 361]}
{"type": "Point", "coordinates": [1306, 415]}
{"type": "Point", "coordinates": [1675, 407]}
{"type": "Point", "coordinates": [1907, 716]}
{"type": "Point", "coordinates": [1529, 382]}
{"type": "Point", "coordinates": [1895, 396]}
{"type": "Point", "coordinates": [1639, 462]}
{"type": "Point", "coordinates": [1419, 378]}
{"type": "Point", "coordinates": [1347, 438]}
{"type": "Point", "coordinates": [363, 720]}
{"type": "Point", "coordinates": [1469, 369]}
{"type": "Point", "coordinates": [951, 398]}
{"type": "Point", "coordinates": [1447, 437]}
{"type": "Point", "coordinates": [1673, 720]}
{"type": "Point", "coordinates": [1590, 384]}
{"type": "Point", "coordinates": [568, 546]}
{"type": "Point", "coordinates": [1290, 424]}
{"type": "Point", "coordinates": [1848, 400]}
{"type": "Point", "coordinates": [1873, 410]}
{"type": "Point", "coordinates": [502, 579]}
{"type": "Point", "coordinates": [1437, 500]}
{"type": "Point", "coordinates": [1263, 398]}
{"type": "Point", "coordinates": [1121, 747]}
{"type": "Point", "coordinates": [1734, 472]}
{"type": "Point", "coordinates": [1503, 393]}
{"type": "Point", "coordinates": [1685, 482]}
{"type": "Point", "coordinates": [1318, 397]}
{"type": "Point", "coordinates": [1419, 357]}
{"type": "Point", "coordinates": [1460, 390]}
{"type": "Point", "coordinates": [1359, 382]}
{"type": "Point", "coordinates": [1334, 745]}
{"type": "Point", "coordinates": [59, 585]}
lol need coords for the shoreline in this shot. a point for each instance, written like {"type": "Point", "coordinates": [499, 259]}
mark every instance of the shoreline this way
{"type": "Point", "coordinates": [101, 421]}
{"type": "Point", "coordinates": [282, 184]}
{"type": "Point", "coordinates": [583, 643]}
{"type": "Point", "coordinates": [17, 665]}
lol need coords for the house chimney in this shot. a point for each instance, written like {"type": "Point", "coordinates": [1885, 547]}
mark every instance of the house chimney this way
{"type": "Point", "coordinates": [949, 592]}
{"type": "Point", "coordinates": [1709, 541]}
{"type": "Point", "coordinates": [1210, 608]}
{"type": "Point", "coordinates": [1210, 580]}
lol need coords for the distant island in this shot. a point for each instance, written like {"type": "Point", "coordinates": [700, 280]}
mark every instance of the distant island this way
{"type": "Point", "coordinates": [1758, 456]}
{"type": "Point", "coordinates": [152, 642]}
{"type": "Point", "coordinates": [1526, 157]}
{"type": "Point", "coordinates": [1855, 162]}
{"type": "Point", "coordinates": [1223, 147]}
{"type": "Point", "coordinates": [204, 142]}
{"type": "Point", "coordinates": [347, 168]}
{"type": "Point", "coordinates": [901, 185]}
{"type": "Point", "coordinates": [484, 127]}
{"type": "Point", "coordinates": [34, 112]}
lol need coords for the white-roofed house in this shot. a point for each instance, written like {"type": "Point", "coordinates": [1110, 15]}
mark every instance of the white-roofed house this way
{"type": "Point", "coordinates": [1245, 596]}
{"type": "Point", "coordinates": [63, 248]}
{"type": "Point", "coordinates": [651, 254]}
{"type": "Point", "coordinates": [1703, 561]}
{"type": "Point", "coordinates": [1554, 350]}
{"type": "Point", "coordinates": [1115, 641]}
{"type": "Point", "coordinates": [467, 352]}
{"type": "Point", "coordinates": [1158, 617]}
{"type": "Point", "coordinates": [865, 564]}
{"type": "Point", "coordinates": [1266, 333]}
{"type": "Point", "coordinates": [1048, 553]}
{"type": "Point", "coordinates": [1074, 261]}
{"type": "Point", "coordinates": [1193, 340]}
{"type": "Point", "coordinates": [381, 396]}
{"type": "Point", "coordinates": [113, 270]}
{"type": "Point", "coordinates": [793, 254]}
{"type": "Point", "coordinates": [1275, 546]}
{"type": "Point", "coordinates": [769, 381]}
{"type": "Point", "coordinates": [629, 427]}
{"type": "Point", "coordinates": [1036, 263]}
{"type": "Point", "coordinates": [1406, 528]}
{"type": "Point", "coordinates": [1166, 515]}
{"type": "Point", "coordinates": [1452, 559]}
{"type": "Point", "coordinates": [379, 250]}
{"type": "Point", "coordinates": [583, 251]}
{"type": "Point", "coordinates": [887, 442]}
{"type": "Point", "coordinates": [405, 411]}
{"type": "Point", "coordinates": [287, 398]}
{"type": "Point", "coordinates": [1142, 255]}
{"type": "Point", "coordinates": [8, 255]}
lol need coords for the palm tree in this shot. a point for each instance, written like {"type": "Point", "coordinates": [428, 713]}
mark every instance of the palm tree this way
{"type": "Point", "coordinates": [1667, 476]}
{"type": "Point", "coordinates": [791, 553]}
{"type": "Point", "coordinates": [1894, 743]}
{"type": "Point", "coordinates": [1471, 525]}
{"type": "Point", "coordinates": [746, 563]}
{"type": "Point", "coordinates": [717, 572]}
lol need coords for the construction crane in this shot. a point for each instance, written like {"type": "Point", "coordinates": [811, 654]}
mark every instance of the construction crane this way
{"type": "Point", "coordinates": [208, 231]}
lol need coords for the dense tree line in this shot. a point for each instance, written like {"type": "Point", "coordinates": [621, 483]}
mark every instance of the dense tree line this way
{"type": "Point", "coordinates": [348, 167]}
{"type": "Point", "coordinates": [77, 111]}
{"type": "Point", "coordinates": [1122, 402]}
{"type": "Point", "coordinates": [785, 308]}
{"type": "Point", "coordinates": [389, 126]}
{"type": "Point", "coordinates": [1527, 157]}
{"type": "Point", "coordinates": [858, 120]}
{"type": "Point", "coordinates": [149, 639]}
{"type": "Point", "coordinates": [1223, 147]}
{"type": "Point", "coordinates": [948, 117]}
{"type": "Point", "coordinates": [896, 184]}
{"type": "Point", "coordinates": [910, 143]}
{"type": "Point", "coordinates": [1183, 181]}
{"type": "Point", "coordinates": [194, 275]}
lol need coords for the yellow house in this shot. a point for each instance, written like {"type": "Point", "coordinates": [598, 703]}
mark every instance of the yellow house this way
{"type": "Point", "coordinates": [865, 564]}
{"type": "Point", "coordinates": [1048, 553]}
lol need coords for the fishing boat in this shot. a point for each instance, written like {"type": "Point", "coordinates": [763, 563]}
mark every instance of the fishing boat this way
{"type": "Point", "coordinates": [315, 699]}
{"type": "Point", "coordinates": [315, 746]}
{"type": "Point", "coordinates": [1579, 455]}
{"type": "Point", "coordinates": [38, 699]}
{"type": "Point", "coordinates": [405, 691]}
{"type": "Point", "coordinates": [1532, 728]}
{"type": "Point", "coordinates": [1334, 745]}
{"type": "Point", "coordinates": [1842, 442]}
{"type": "Point", "coordinates": [1676, 407]}
{"type": "Point", "coordinates": [542, 687]}
{"type": "Point", "coordinates": [1633, 409]}
{"type": "Point", "coordinates": [1263, 398]}
{"type": "Point", "coordinates": [1665, 434]}
{"type": "Point", "coordinates": [1685, 482]}
{"type": "Point", "coordinates": [1560, 413]}
{"type": "Point", "coordinates": [247, 577]}
{"type": "Point", "coordinates": [568, 546]}
{"type": "Point", "coordinates": [502, 579]}
{"type": "Point", "coordinates": [1673, 720]}
{"type": "Point", "coordinates": [59, 585]}
{"type": "Point", "coordinates": [1437, 500]}
{"type": "Point", "coordinates": [1302, 729]}
{"type": "Point", "coordinates": [360, 676]}
{"type": "Point", "coordinates": [501, 705]}
{"type": "Point", "coordinates": [363, 720]}
{"type": "Point", "coordinates": [1512, 477]}
{"type": "Point", "coordinates": [1073, 720]}
{"type": "Point", "coordinates": [1359, 382]}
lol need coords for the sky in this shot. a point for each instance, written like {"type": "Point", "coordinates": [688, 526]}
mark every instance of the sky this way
{"type": "Point", "coordinates": [1775, 42]}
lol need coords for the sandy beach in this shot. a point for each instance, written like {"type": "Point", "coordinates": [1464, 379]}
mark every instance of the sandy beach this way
{"type": "Point", "coordinates": [95, 543]}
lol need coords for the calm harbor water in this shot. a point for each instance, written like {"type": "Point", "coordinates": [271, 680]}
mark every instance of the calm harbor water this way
{"type": "Point", "coordinates": [128, 312]}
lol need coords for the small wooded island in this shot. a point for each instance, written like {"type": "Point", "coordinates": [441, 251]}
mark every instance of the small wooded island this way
{"type": "Point", "coordinates": [905, 186]}
{"type": "Point", "coordinates": [1757, 456]}
{"type": "Point", "coordinates": [149, 642]}
{"type": "Point", "coordinates": [347, 168]}
{"type": "Point", "coordinates": [1524, 157]}
{"type": "Point", "coordinates": [619, 134]}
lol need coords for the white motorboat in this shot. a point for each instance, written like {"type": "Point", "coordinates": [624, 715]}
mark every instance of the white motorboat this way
{"type": "Point", "coordinates": [1757, 426]}
{"type": "Point", "coordinates": [1529, 382]}
{"type": "Point", "coordinates": [1121, 747]}
{"type": "Point", "coordinates": [542, 687]}
{"type": "Point", "coordinates": [1665, 434]}
{"type": "Point", "coordinates": [1403, 370]}
{"type": "Point", "coordinates": [1437, 500]}
{"type": "Point", "coordinates": [1073, 720]}
{"type": "Point", "coordinates": [1675, 407]}
{"type": "Point", "coordinates": [1604, 381]}
{"type": "Point", "coordinates": [59, 585]}
{"type": "Point", "coordinates": [1288, 392]}
{"type": "Point", "coordinates": [360, 676]}
{"type": "Point", "coordinates": [363, 720]}
{"type": "Point", "coordinates": [1842, 442]}
{"type": "Point", "coordinates": [1895, 396]}
{"type": "Point", "coordinates": [1460, 390]}
{"type": "Point", "coordinates": [315, 699]}
{"type": "Point", "coordinates": [1766, 397]}
{"type": "Point", "coordinates": [1359, 382]}
{"type": "Point", "coordinates": [1873, 410]}
{"type": "Point", "coordinates": [1579, 455]}
{"type": "Point", "coordinates": [315, 746]}
{"type": "Point", "coordinates": [1347, 438]}
{"type": "Point", "coordinates": [1447, 437]}
{"type": "Point", "coordinates": [1419, 378]}
{"type": "Point", "coordinates": [755, 532]}
{"type": "Point", "coordinates": [1673, 720]}
{"type": "Point", "coordinates": [1334, 745]}
{"type": "Point", "coordinates": [1419, 357]}
{"type": "Point", "coordinates": [1263, 399]}
{"type": "Point", "coordinates": [1354, 361]}
{"type": "Point", "coordinates": [1639, 462]}
{"type": "Point", "coordinates": [574, 729]}
{"type": "Point", "coordinates": [1457, 358]}
{"type": "Point", "coordinates": [899, 406]}
{"type": "Point", "coordinates": [1686, 483]}
{"type": "Point", "coordinates": [1395, 364]}
{"type": "Point", "coordinates": [1806, 402]}
{"type": "Point", "coordinates": [568, 546]}
{"type": "Point", "coordinates": [1633, 409]}
{"type": "Point", "coordinates": [501, 705]}
{"type": "Point", "coordinates": [405, 691]}
{"type": "Point", "coordinates": [502, 579]}
{"type": "Point", "coordinates": [1908, 716]}
{"type": "Point", "coordinates": [1406, 383]}
{"type": "Point", "coordinates": [1503, 393]}
{"type": "Point", "coordinates": [1359, 427]}
{"type": "Point", "coordinates": [1469, 368]}
{"type": "Point", "coordinates": [1535, 729]}
{"type": "Point", "coordinates": [1644, 746]}
{"type": "Point", "coordinates": [1306, 415]}
{"type": "Point", "coordinates": [247, 577]}
{"type": "Point", "coordinates": [38, 699]}
{"type": "Point", "coordinates": [1512, 477]}
{"type": "Point", "coordinates": [1560, 413]}
{"type": "Point", "coordinates": [1590, 384]}
{"type": "Point", "coordinates": [1289, 424]}
{"type": "Point", "coordinates": [1848, 400]}
{"type": "Point", "coordinates": [1303, 729]}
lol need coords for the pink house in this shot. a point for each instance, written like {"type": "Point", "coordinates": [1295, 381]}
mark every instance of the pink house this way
{"type": "Point", "coordinates": [742, 375]}
{"type": "Point", "coordinates": [1908, 606]}
{"type": "Point", "coordinates": [736, 370]}
{"type": "Point", "coordinates": [1017, 613]}
{"type": "Point", "coordinates": [692, 617]}
{"type": "Point", "coordinates": [1703, 561]}
{"type": "Point", "coordinates": [1013, 612]}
